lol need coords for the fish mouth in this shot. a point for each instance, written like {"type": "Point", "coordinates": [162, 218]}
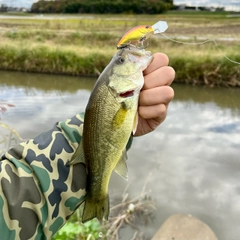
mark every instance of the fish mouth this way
{"type": "Point", "coordinates": [126, 94]}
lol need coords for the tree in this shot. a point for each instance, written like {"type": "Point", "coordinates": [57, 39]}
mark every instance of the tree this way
{"type": "Point", "coordinates": [102, 6]}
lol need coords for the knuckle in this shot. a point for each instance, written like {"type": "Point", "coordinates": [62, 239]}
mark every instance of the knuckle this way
{"type": "Point", "coordinates": [171, 72]}
{"type": "Point", "coordinates": [170, 93]}
{"type": "Point", "coordinates": [161, 110]}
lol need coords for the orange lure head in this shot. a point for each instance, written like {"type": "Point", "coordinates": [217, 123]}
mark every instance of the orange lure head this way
{"type": "Point", "coordinates": [136, 35]}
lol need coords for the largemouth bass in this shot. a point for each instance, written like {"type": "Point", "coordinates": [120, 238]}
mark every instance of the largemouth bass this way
{"type": "Point", "coordinates": [110, 118]}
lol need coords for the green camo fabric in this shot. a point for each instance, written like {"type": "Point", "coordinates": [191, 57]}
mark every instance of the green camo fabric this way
{"type": "Point", "coordinates": [39, 189]}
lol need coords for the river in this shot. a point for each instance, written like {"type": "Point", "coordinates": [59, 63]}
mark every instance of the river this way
{"type": "Point", "coordinates": [193, 157]}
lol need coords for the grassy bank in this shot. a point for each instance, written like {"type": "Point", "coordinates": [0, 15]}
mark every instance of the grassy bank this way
{"type": "Point", "coordinates": [84, 46]}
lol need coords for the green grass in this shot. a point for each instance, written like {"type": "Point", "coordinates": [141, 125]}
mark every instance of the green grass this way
{"type": "Point", "coordinates": [42, 58]}
{"type": "Point", "coordinates": [74, 230]}
{"type": "Point", "coordinates": [84, 46]}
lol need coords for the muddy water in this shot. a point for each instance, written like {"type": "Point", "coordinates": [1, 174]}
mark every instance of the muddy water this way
{"type": "Point", "coordinates": [193, 157]}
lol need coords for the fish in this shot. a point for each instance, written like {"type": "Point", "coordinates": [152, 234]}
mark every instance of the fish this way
{"type": "Point", "coordinates": [139, 34]}
{"type": "Point", "coordinates": [110, 119]}
{"type": "Point", "coordinates": [135, 35]}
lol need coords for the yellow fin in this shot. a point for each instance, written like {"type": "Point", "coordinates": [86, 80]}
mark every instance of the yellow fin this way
{"type": "Point", "coordinates": [121, 167]}
{"type": "Point", "coordinates": [98, 209]}
{"type": "Point", "coordinates": [119, 117]}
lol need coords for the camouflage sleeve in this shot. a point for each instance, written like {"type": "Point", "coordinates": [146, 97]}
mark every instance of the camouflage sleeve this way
{"type": "Point", "coordinates": [39, 189]}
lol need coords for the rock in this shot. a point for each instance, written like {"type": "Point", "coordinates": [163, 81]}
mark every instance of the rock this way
{"type": "Point", "coordinates": [184, 227]}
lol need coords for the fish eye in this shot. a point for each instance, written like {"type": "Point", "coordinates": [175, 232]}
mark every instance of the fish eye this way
{"type": "Point", "coordinates": [120, 60]}
{"type": "Point", "coordinates": [147, 26]}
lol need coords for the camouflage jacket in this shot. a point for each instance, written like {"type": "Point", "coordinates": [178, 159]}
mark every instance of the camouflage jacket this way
{"type": "Point", "coordinates": [39, 189]}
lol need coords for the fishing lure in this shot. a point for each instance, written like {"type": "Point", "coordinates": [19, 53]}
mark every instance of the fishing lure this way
{"type": "Point", "coordinates": [139, 34]}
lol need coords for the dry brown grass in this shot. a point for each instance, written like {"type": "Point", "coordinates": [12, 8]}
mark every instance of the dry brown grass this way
{"type": "Point", "coordinates": [90, 43]}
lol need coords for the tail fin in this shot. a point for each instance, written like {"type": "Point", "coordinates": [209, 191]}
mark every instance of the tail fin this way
{"type": "Point", "coordinates": [98, 209]}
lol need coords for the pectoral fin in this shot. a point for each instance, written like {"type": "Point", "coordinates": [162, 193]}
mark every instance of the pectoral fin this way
{"type": "Point", "coordinates": [119, 118]}
{"type": "Point", "coordinates": [121, 167]}
{"type": "Point", "coordinates": [78, 156]}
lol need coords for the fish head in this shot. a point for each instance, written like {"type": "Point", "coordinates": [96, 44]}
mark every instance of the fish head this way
{"type": "Point", "coordinates": [126, 79]}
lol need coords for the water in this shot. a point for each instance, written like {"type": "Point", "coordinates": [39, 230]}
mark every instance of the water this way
{"type": "Point", "coordinates": [193, 157]}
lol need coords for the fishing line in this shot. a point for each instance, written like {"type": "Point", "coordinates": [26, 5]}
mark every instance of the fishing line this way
{"type": "Point", "coordinates": [200, 43]}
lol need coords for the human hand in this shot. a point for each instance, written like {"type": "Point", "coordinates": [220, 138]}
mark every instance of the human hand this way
{"type": "Point", "coordinates": [155, 94]}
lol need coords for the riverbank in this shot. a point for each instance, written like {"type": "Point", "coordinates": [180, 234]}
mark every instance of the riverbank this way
{"type": "Point", "coordinates": [84, 44]}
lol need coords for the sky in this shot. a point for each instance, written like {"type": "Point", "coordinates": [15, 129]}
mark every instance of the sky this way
{"type": "Point", "coordinates": [233, 5]}
{"type": "Point", "coordinates": [229, 5]}
{"type": "Point", "coordinates": [18, 3]}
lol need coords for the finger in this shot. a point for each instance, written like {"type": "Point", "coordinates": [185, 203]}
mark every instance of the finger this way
{"type": "Point", "coordinates": [155, 96]}
{"type": "Point", "coordinates": [160, 77]}
{"type": "Point", "coordinates": [159, 60]}
{"type": "Point", "coordinates": [157, 112]}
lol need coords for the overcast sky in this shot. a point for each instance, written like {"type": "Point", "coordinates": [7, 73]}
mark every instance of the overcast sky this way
{"type": "Point", "coordinates": [18, 3]}
{"type": "Point", "coordinates": [229, 5]}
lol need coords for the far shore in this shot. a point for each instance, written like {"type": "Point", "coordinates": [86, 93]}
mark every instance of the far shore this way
{"type": "Point", "coordinates": [84, 44]}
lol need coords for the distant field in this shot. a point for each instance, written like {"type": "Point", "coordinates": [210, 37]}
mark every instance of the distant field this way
{"type": "Point", "coordinates": [83, 44]}
{"type": "Point", "coordinates": [202, 24]}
